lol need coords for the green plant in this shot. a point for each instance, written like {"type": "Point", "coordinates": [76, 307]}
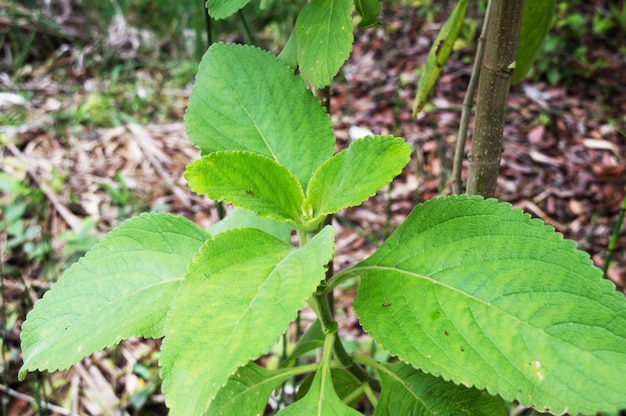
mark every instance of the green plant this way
{"type": "Point", "coordinates": [467, 289]}
{"type": "Point", "coordinates": [578, 28]}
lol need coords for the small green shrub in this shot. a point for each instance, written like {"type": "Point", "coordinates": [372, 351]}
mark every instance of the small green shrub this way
{"type": "Point", "coordinates": [466, 289]}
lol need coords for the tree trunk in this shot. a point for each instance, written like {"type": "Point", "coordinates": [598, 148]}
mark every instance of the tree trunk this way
{"type": "Point", "coordinates": [503, 29]}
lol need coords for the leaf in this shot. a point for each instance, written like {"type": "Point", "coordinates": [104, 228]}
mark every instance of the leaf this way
{"type": "Point", "coordinates": [536, 22]}
{"type": "Point", "coordinates": [247, 391]}
{"type": "Point", "coordinates": [250, 181]}
{"type": "Point", "coordinates": [479, 293]}
{"type": "Point", "coordinates": [321, 398]}
{"type": "Point", "coordinates": [438, 55]}
{"type": "Point", "coordinates": [407, 391]}
{"type": "Point", "coordinates": [344, 383]}
{"type": "Point", "coordinates": [369, 11]}
{"type": "Point", "coordinates": [312, 339]}
{"type": "Point", "coordinates": [123, 287]}
{"type": "Point", "coordinates": [242, 218]}
{"type": "Point", "coordinates": [246, 99]}
{"type": "Point", "coordinates": [241, 291]}
{"type": "Point", "coordinates": [219, 9]}
{"type": "Point", "coordinates": [355, 174]}
{"type": "Point", "coordinates": [324, 34]}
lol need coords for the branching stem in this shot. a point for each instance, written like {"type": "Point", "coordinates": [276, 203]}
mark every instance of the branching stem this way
{"type": "Point", "coordinates": [468, 103]}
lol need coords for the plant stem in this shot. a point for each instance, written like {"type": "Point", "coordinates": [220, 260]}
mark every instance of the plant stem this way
{"type": "Point", "coordinates": [504, 23]}
{"type": "Point", "coordinates": [614, 236]}
{"type": "Point", "coordinates": [468, 103]}
{"type": "Point", "coordinates": [246, 28]}
{"type": "Point", "coordinates": [329, 325]}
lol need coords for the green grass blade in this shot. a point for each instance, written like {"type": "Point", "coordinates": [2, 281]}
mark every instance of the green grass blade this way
{"type": "Point", "coordinates": [438, 55]}
{"type": "Point", "coordinates": [536, 22]}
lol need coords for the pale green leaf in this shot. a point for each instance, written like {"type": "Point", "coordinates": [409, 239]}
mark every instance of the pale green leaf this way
{"type": "Point", "coordinates": [324, 33]}
{"type": "Point", "coordinates": [247, 391]}
{"type": "Point", "coordinates": [241, 291]}
{"type": "Point", "coordinates": [536, 22]}
{"type": "Point", "coordinates": [242, 218]}
{"type": "Point", "coordinates": [219, 9]}
{"type": "Point", "coordinates": [438, 55]}
{"type": "Point", "coordinates": [250, 181]}
{"type": "Point", "coordinates": [478, 292]}
{"type": "Point", "coordinates": [369, 11]}
{"type": "Point", "coordinates": [407, 391]}
{"type": "Point", "coordinates": [356, 173]}
{"type": "Point", "coordinates": [123, 287]}
{"type": "Point", "coordinates": [246, 99]}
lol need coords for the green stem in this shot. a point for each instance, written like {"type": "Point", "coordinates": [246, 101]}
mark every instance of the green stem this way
{"type": "Point", "coordinates": [370, 394]}
{"type": "Point", "coordinates": [503, 29]}
{"type": "Point", "coordinates": [246, 28]}
{"type": "Point", "coordinates": [613, 241]}
{"type": "Point", "coordinates": [468, 103]}
{"type": "Point", "coordinates": [336, 280]}
{"type": "Point", "coordinates": [330, 326]}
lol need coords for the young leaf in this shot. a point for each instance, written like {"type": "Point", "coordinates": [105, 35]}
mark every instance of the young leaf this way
{"type": "Point", "coordinates": [247, 391]}
{"type": "Point", "coordinates": [438, 55]}
{"type": "Point", "coordinates": [123, 287]}
{"type": "Point", "coordinates": [242, 218]}
{"type": "Point", "coordinates": [369, 11]}
{"type": "Point", "coordinates": [312, 339]}
{"type": "Point", "coordinates": [246, 99]}
{"type": "Point", "coordinates": [250, 181]}
{"type": "Point", "coordinates": [324, 33]}
{"type": "Point", "coordinates": [239, 294]}
{"type": "Point", "coordinates": [479, 293]}
{"type": "Point", "coordinates": [321, 399]}
{"type": "Point", "coordinates": [536, 21]}
{"type": "Point", "coordinates": [219, 9]}
{"type": "Point", "coordinates": [407, 391]}
{"type": "Point", "coordinates": [355, 174]}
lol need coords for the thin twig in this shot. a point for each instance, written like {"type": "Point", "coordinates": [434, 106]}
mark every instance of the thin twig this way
{"type": "Point", "coordinates": [70, 219]}
{"type": "Point", "coordinates": [149, 152]}
{"type": "Point", "coordinates": [468, 103]}
{"type": "Point", "coordinates": [614, 236]}
{"type": "Point", "coordinates": [29, 399]}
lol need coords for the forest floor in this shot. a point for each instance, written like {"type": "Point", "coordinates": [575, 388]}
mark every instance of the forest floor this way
{"type": "Point", "coordinates": [78, 165]}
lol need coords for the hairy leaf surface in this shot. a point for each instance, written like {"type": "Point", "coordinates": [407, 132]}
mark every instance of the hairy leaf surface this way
{"type": "Point", "coordinates": [356, 173]}
{"type": "Point", "coordinates": [241, 291]}
{"type": "Point", "coordinates": [324, 33]}
{"type": "Point", "coordinates": [250, 181]}
{"type": "Point", "coordinates": [536, 22]}
{"type": "Point", "coordinates": [246, 99]}
{"type": "Point", "coordinates": [407, 391]}
{"type": "Point", "coordinates": [480, 293]}
{"type": "Point", "coordinates": [123, 287]}
{"type": "Point", "coordinates": [438, 55]}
